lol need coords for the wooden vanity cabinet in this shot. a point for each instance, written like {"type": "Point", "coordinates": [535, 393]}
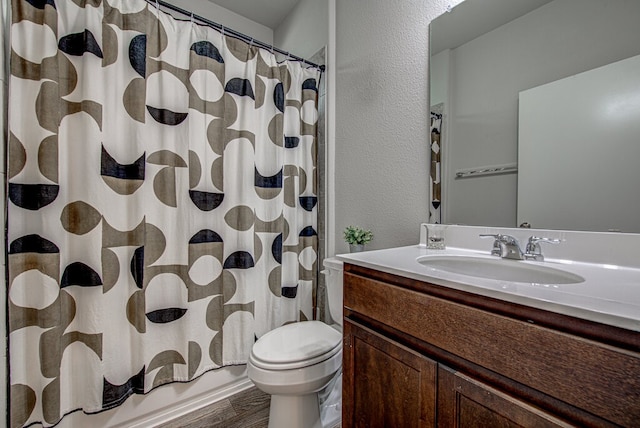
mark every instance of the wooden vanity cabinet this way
{"type": "Point", "coordinates": [422, 355]}
{"type": "Point", "coordinates": [466, 402]}
{"type": "Point", "coordinates": [390, 384]}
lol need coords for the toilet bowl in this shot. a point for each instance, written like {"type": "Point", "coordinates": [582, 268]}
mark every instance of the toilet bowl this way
{"type": "Point", "coordinates": [294, 362]}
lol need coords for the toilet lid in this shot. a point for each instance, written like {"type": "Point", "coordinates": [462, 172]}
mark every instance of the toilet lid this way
{"type": "Point", "coordinates": [295, 345]}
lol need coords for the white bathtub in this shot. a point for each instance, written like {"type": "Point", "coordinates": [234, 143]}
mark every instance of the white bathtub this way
{"type": "Point", "coordinates": [166, 402]}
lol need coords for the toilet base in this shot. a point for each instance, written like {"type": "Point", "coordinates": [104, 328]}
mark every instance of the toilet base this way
{"type": "Point", "coordinates": [330, 400]}
{"type": "Point", "coordinates": [295, 411]}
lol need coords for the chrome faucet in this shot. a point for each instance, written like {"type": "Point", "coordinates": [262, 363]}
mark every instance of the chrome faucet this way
{"type": "Point", "coordinates": [508, 247]}
{"type": "Point", "coordinates": [505, 246]}
{"type": "Point", "coordinates": [533, 250]}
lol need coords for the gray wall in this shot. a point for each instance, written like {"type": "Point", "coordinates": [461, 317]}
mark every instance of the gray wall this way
{"type": "Point", "coordinates": [578, 151]}
{"type": "Point", "coordinates": [557, 40]}
{"type": "Point", "coordinates": [382, 118]}
{"type": "Point", "coordinates": [305, 30]}
{"type": "Point", "coordinates": [212, 11]}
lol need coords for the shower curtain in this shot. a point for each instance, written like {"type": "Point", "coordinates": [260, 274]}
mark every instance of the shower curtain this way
{"type": "Point", "coordinates": [162, 202]}
{"type": "Point", "coordinates": [435, 167]}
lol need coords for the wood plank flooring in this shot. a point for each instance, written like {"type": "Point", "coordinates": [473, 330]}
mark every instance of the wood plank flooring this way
{"type": "Point", "coordinates": [247, 409]}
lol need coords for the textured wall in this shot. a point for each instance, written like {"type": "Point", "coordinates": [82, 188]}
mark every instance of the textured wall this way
{"type": "Point", "coordinates": [382, 123]}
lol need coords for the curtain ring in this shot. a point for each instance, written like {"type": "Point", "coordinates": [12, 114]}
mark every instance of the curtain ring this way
{"type": "Point", "coordinates": [222, 30]}
{"type": "Point", "coordinates": [158, 5]}
{"type": "Point", "coordinates": [251, 43]}
{"type": "Point", "coordinates": [192, 17]}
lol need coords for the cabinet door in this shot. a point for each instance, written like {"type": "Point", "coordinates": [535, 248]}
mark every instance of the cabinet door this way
{"type": "Point", "coordinates": [464, 402]}
{"type": "Point", "coordinates": [384, 383]}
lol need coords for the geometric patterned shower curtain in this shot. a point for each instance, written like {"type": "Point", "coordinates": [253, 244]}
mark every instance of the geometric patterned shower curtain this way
{"type": "Point", "coordinates": [435, 167]}
{"type": "Point", "coordinates": [162, 202]}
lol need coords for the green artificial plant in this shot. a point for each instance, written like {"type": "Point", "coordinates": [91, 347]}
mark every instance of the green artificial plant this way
{"type": "Point", "coordinates": [355, 235]}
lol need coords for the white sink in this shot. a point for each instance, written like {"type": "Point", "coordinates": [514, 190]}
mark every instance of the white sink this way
{"type": "Point", "coordinates": [499, 269]}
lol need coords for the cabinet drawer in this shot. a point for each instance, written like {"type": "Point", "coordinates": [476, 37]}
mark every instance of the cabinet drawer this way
{"type": "Point", "coordinates": [601, 379]}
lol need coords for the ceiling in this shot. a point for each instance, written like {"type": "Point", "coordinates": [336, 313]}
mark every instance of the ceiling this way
{"type": "Point", "coordinates": [269, 13]}
{"type": "Point", "coordinates": [477, 18]}
{"type": "Point", "coordinates": [467, 21]}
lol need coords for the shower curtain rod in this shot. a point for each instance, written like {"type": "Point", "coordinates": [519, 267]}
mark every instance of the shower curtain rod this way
{"type": "Point", "coordinates": [232, 32]}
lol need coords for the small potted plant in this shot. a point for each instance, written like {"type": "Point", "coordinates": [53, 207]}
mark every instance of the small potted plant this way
{"type": "Point", "coordinates": [357, 237]}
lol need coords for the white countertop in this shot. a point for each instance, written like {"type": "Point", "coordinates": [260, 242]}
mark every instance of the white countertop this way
{"type": "Point", "coordinates": [610, 293]}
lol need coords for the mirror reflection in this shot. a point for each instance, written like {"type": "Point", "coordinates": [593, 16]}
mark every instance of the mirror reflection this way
{"type": "Point", "coordinates": [540, 113]}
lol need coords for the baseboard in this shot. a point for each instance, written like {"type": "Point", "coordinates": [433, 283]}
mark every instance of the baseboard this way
{"type": "Point", "coordinates": [180, 409]}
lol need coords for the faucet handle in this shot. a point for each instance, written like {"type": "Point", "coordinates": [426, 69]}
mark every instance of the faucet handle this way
{"type": "Point", "coordinates": [505, 246]}
{"type": "Point", "coordinates": [533, 250]}
{"type": "Point", "coordinates": [506, 239]}
{"type": "Point", "coordinates": [490, 235]}
{"type": "Point", "coordinates": [497, 249]}
{"type": "Point", "coordinates": [533, 240]}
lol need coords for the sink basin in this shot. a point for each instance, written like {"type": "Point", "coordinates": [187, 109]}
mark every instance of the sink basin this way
{"type": "Point", "coordinates": [499, 269]}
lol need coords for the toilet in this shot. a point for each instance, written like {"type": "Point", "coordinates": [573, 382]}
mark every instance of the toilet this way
{"type": "Point", "coordinates": [295, 362]}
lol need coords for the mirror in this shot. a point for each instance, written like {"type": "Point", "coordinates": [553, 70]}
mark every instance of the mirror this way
{"type": "Point", "coordinates": [503, 75]}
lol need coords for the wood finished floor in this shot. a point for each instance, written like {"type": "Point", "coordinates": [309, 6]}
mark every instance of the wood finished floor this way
{"type": "Point", "coordinates": [247, 409]}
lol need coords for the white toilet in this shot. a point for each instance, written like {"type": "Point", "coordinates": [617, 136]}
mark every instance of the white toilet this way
{"type": "Point", "coordinates": [296, 361]}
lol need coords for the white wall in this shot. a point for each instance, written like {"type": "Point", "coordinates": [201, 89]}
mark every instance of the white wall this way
{"type": "Point", "coordinates": [557, 40]}
{"type": "Point", "coordinates": [227, 18]}
{"type": "Point", "coordinates": [305, 30]}
{"type": "Point", "coordinates": [439, 77]}
{"type": "Point", "coordinates": [382, 118]}
{"type": "Point", "coordinates": [592, 118]}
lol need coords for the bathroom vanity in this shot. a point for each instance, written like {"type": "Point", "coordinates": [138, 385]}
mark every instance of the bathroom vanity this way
{"type": "Point", "coordinates": [426, 348]}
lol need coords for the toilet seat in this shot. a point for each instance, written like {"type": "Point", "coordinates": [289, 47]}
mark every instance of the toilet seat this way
{"type": "Point", "coordinates": [296, 345]}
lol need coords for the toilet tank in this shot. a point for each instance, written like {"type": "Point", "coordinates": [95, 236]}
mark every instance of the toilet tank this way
{"type": "Point", "coordinates": [333, 278]}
